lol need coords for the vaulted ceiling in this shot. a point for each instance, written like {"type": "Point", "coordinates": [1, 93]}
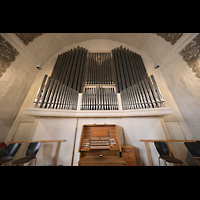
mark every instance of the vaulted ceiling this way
{"type": "Point", "coordinates": [151, 43]}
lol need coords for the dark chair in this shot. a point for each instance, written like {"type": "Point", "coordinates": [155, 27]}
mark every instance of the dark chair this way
{"type": "Point", "coordinates": [30, 154]}
{"type": "Point", "coordinates": [164, 153]}
{"type": "Point", "coordinates": [9, 152]}
{"type": "Point", "coordinates": [194, 149]}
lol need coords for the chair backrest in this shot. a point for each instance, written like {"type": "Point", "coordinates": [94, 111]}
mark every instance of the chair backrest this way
{"type": "Point", "coordinates": [194, 148]}
{"type": "Point", "coordinates": [162, 148]}
{"type": "Point", "coordinates": [11, 150]}
{"type": "Point", "coordinates": [33, 148]}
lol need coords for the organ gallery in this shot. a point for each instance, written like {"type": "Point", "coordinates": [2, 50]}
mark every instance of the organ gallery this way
{"type": "Point", "coordinates": [100, 102]}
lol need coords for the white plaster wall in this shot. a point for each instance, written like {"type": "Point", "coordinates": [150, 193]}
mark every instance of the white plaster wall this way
{"type": "Point", "coordinates": [133, 130]}
{"type": "Point", "coordinates": [136, 129]}
{"type": "Point", "coordinates": [14, 87]}
{"type": "Point", "coordinates": [55, 129]}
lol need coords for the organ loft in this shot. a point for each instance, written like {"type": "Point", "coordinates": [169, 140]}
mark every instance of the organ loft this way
{"type": "Point", "coordinates": [99, 99]}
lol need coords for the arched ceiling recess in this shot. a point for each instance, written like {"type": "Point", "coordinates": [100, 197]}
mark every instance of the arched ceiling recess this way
{"type": "Point", "coordinates": [39, 47]}
{"type": "Point", "coordinates": [98, 45]}
{"type": "Point", "coordinates": [150, 44]}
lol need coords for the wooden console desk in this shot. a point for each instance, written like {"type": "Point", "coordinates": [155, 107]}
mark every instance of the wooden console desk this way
{"type": "Point", "coordinates": [100, 146]}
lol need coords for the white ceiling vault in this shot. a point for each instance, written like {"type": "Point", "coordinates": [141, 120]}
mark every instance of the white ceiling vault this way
{"type": "Point", "coordinates": [38, 47]}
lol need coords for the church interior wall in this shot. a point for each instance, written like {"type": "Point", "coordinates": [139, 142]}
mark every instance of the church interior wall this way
{"type": "Point", "coordinates": [172, 79]}
{"type": "Point", "coordinates": [184, 86]}
{"type": "Point", "coordinates": [132, 130]}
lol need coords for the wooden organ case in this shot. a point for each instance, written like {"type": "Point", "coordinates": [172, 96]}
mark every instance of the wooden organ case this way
{"type": "Point", "coordinates": [100, 146]}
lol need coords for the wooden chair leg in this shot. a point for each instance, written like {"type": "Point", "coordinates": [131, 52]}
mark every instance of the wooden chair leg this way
{"type": "Point", "coordinates": [35, 161]}
{"type": "Point", "coordinates": [30, 163]}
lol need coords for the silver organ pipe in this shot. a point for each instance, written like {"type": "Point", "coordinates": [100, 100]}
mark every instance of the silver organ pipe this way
{"type": "Point", "coordinates": [99, 98]}
{"type": "Point", "coordinates": [99, 69]}
{"type": "Point", "coordinates": [137, 89]}
{"type": "Point", "coordinates": [99, 76]}
{"type": "Point", "coordinates": [61, 89]}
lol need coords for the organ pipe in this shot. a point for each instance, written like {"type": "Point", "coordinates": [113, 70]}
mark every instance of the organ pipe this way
{"type": "Point", "coordinates": [99, 76]}
{"type": "Point", "coordinates": [61, 89]}
{"type": "Point", "coordinates": [99, 98]}
{"type": "Point", "coordinates": [99, 69]}
{"type": "Point", "coordinates": [137, 89]}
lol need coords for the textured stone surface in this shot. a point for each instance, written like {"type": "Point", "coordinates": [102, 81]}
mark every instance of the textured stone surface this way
{"type": "Point", "coordinates": [27, 37]}
{"type": "Point", "coordinates": [170, 37]}
{"type": "Point", "coordinates": [191, 54]}
{"type": "Point", "coordinates": [15, 84]}
{"type": "Point", "coordinates": [185, 88]}
{"type": "Point", "coordinates": [7, 55]}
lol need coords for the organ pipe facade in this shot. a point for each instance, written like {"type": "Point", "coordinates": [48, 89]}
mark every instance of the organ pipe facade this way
{"type": "Point", "coordinates": [99, 76]}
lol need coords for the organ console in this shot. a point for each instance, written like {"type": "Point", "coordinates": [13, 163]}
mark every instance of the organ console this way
{"type": "Point", "coordinates": [100, 146]}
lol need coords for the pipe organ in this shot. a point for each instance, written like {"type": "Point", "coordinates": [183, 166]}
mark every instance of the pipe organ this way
{"type": "Point", "coordinates": [137, 89]}
{"type": "Point", "coordinates": [99, 77]}
{"type": "Point", "coordinates": [99, 98]}
{"type": "Point", "coordinates": [99, 70]}
{"type": "Point", "coordinates": [66, 81]}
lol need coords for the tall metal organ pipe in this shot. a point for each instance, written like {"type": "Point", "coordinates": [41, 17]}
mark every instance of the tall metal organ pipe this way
{"type": "Point", "coordinates": [99, 76]}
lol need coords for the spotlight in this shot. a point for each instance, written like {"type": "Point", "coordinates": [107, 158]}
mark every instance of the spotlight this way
{"type": "Point", "coordinates": [39, 67]}
{"type": "Point", "coordinates": [156, 66]}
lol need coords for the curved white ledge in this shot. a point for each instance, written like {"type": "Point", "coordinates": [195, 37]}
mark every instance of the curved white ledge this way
{"type": "Point", "coordinates": [40, 112]}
